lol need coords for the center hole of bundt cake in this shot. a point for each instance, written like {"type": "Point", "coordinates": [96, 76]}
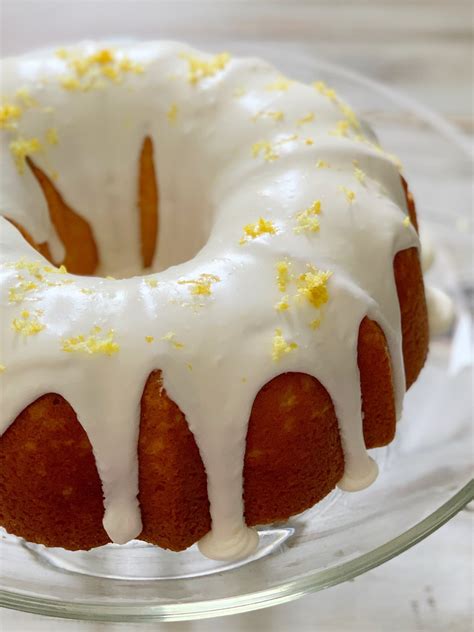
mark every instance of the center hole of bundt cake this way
{"type": "Point", "coordinates": [170, 227]}
{"type": "Point", "coordinates": [173, 228]}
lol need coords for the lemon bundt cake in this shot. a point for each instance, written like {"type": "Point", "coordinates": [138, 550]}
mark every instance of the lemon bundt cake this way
{"type": "Point", "coordinates": [266, 316]}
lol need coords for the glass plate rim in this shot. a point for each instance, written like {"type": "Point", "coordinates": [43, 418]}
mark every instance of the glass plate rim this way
{"type": "Point", "coordinates": [312, 582]}
{"type": "Point", "coordinates": [130, 612]}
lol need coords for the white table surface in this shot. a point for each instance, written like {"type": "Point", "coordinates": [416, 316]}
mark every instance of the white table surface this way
{"type": "Point", "coordinates": [421, 47]}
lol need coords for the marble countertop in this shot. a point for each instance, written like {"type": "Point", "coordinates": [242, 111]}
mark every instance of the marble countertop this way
{"type": "Point", "coordinates": [420, 47]}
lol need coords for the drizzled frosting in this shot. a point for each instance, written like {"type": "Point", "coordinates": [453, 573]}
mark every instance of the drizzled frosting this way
{"type": "Point", "coordinates": [279, 220]}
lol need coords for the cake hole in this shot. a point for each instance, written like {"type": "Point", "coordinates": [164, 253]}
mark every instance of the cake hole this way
{"type": "Point", "coordinates": [82, 256]}
{"type": "Point", "coordinates": [148, 203]}
{"type": "Point", "coordinates": [173, 221]}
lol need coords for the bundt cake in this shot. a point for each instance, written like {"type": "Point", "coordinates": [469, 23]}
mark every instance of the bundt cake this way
{"type": "Point", "coordinates": [276, 318]}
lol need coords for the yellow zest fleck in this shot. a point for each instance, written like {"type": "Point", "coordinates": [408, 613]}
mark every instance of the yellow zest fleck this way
{"type": "Point", "coordinates": [86, 290]}
{"type": "Point", "coordinates": [23, 95]}
{"type": "Point", "coordinates": [170, 337]}
{"type": "Point", "coordinates": [9, 115]}
{"type": "Point", "coordinates": [103, 56]}
{"type": "Point", "coordinates": [350, 115]}
{"type": "Point", "coordinates": [110, 278]}
{"type": "Point", "coordinates": [149, 338]}
{"type": "Point", "coordinates": [288, 139]}
{"type": "Point", "coordinates": [307, 220]}
{"type": "Point", "coordinates": [239, 92]}
{"type": "Point", "coordinates": [112, 72]}
{"type": "Point", "coordinates": [172, 113]}
{"type": "Point", "coordinates": [322, 164]}
{"type": "Point", "coordinates": [127, 65]}
{"type": "Point", "coordinates": [189, 366]}
{"type": "Point", "coordinates": [62, 53]}
{"type": "Point", "coordinates": [341, 129]}
{"type": "Point", "coordinates": [252, 231]}
{"type": "Point", "coordinates": [151, 282]}
{"type": "Point", "coordinates": [359, 174]}
{"type": "Point", "coordinates": [201, 285]}
{"type": "Point", "coordinates": [70, 83]}
{"type": "Point", "coordinates": [265, 148]}
{"type": "Point", "coordinates": [281, 84]}
{"type": "Point", "coordinates": [92, 344]}
{"type": "Point", "coordinates": [34, 268]}
{"type": "Point", "coordinates": [407, 221]}
{"type": "Point", "coordinates": [313, 286]}
{"type": "Point", "coordinates": [27, 326]}
{"type": "Point", "coordinates": [309, 141]}
{"type": "Point", "coordinates": [323, 89]}
{"type": "Point", "coordinates": [87, 71]}
{"type": "Point", "coordinates": [199, 69]}
{"type": "Point", "coordinates": [23, 147]}
{"type": "Point", "coordinates": [349, 193]}
{"type": "Point", "coordinates": [52, 136]}
{"type": "Point", "coordinates": [283, 274]}
{"type": "Point", "coordinates": [59, 283]}
{"type": "Point", "coordinates": [18, 293]}
{"type": "Point", "coordinates": [314, 324]}
{"type": "Point", "coordinates": [283, 304]}
{"type": "Point", "coordinates": [2, 368]}
{"type": "Point", "coordinates": [280, 347]}
{"type": "Point", "coordinates": [307, 118]}
{"type": "Point", "coordinates": [277, 115]}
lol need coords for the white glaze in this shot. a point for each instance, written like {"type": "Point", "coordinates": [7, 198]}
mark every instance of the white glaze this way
{"type": "Point", "coordinates": [440, 311]}
{"type": "Point", "coordinates": [427, 252]}
{"type": "Point", "coordinates": [210, 187]}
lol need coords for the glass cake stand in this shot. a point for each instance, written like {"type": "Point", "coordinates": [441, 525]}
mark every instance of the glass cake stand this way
{"type": "Point", "coordinates": [425, 473]}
